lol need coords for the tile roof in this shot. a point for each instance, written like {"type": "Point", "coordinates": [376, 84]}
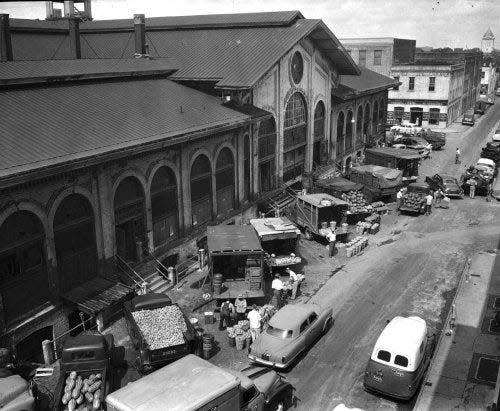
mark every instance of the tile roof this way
{"type": "Point", "coordinates": [48, 126]}
{"type": "Point", "coordinates": [30, 72]}
{"type": "Point", "coordinates": [233, 50]}
{"type": "Point", "coordinates": [368, 81]}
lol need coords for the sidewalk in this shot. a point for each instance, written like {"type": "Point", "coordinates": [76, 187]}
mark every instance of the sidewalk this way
{"type": "Point", "coordinates": [465, 365]}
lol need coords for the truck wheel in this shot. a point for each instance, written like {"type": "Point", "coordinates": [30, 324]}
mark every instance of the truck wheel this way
{"type": "Point", "coordinates": [308, 234]}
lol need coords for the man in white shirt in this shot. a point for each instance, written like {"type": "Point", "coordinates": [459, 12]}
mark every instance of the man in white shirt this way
{"type": "Point", "coordinates": [399, 197]}
{"type": "Point", "coordinates": [332, 239]}
{"type": "Point", "coordinates": [255, 319]}
{"type": "Point", "coordinates": [428, 203]}
{"type": "Point", "coordinates": [277, 286]}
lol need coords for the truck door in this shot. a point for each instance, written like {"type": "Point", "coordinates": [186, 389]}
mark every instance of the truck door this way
{"type": "Point", "coordinates": [251, 400]}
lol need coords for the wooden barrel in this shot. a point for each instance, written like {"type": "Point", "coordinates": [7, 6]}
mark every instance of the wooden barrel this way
{"type": "Point", "coordinates": [218, 278]}
{"type": "Point", "coordinates": [240, 342]}
{"type": "Point", "coordinates": [231, 341]}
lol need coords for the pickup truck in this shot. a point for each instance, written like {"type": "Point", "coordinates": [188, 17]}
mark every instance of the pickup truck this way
{"type": "Point", "coordinates": [414, 199]}
{"type": "Point", "coordinates": [192, 383]}
{"type": "Point", "coordinates": [437, 139]}
{"type": "Point", "coordinates": [468, 118]}
{"type": "Point", "coordinates": [159, 330]}
{"type": "Point", "coordinates": [85, 371]}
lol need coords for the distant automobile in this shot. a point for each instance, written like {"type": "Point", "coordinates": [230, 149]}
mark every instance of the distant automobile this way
{"type": "Point", "coordinates": [290, 331]}
{"type": "Point", "coordinates": [448, 184]}
{"type": "Point", "coordinates": [406, 128]}
{"type": "Point", "coordinates": [468, 118]}
{"type": "Point", "coordinates": [413, 143]}
{"type": "Point", "coordinates": [496, 136]}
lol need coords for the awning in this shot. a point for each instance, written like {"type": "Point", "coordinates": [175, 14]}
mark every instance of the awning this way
{"type": "Point", "coordinates": [97, 294]}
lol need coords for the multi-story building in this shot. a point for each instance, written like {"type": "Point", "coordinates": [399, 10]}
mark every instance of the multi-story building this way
{"type": "Point", "coordinates": [488, 77]}
{"type": "Point", "coordinates": [472, 61]}
{"type": "Point", "coordinates": [488, 42]}
{"type": "Point", "coordinates": [380, 54]}
{"type": "Point", "coordinates": [430, 93]}
{"type": "Point", "coordinates": [122, 157]}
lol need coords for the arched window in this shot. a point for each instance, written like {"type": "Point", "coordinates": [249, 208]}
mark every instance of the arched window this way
{"type": "Point", "coordinates": [295, 137]}
{"type": "Point", "coordinates": [246, 167]}
{"type": "Point", "coordinates": [201, 190]}
{"type": "Point", "coordinates": [74, 239]}
{"type": "Point", "coordinates": [359, 124]}
{"type": "Point", "coordinates": [267, 155]}
{"type": "Point", "coordinates": [23, 272]}
{"type": "Point", "coordinates": [340, 133]}
{"type": "Point", "coordinates": [375, 116]}
{"type": "Point", "coordinates": [224, 181]}
{"type": "Point", "coordinates": [130, 222]}
{"type": "Point", "coordinates": [366, 122]}
{"type": "Point", "coordinates": [319, 132]}
{"type": "Point", "coordinates": [164, 206]}
{"type": "Point", "coordinates": [348, 131]}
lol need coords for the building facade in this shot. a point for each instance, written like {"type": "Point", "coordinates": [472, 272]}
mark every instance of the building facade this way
{"type": "Point", "coordinates": [488, 42]}
{"type": "Point", "coordinates": [488, 77]}
{"type": "Point", "coordinates": [380, 54]}
{"type": "Point", "coordinates": [429, 94]}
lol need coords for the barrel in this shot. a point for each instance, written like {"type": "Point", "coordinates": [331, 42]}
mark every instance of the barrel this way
{"type": "Point", "coordinates": [240, 342]}
{"type": "Point", "coordinates": [207, 344]}
{"type": "Point", "coordinates": [248, 339]}
{"type": "Point", "coordinates": [218, 278]}
{"type": "Point", "coordinates": [217, 289]}
{"type": "Point", "coordinates": [231, 341]}
{"type": "Point", "coordinates": [209, 317]}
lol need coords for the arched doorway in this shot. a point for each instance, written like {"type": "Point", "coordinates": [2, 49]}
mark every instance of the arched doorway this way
{"type": "Point", "coordinates": [224, 181]}
{"type": "Point", "coordinates": [23, 271]}
{"type": "Point", "coordinates": [416, 114]}
{"type": "Point", "coordinates": [75, 243]}
{"type": "Point", "coordinates": [366, 122]}
{"type": "Point", "coordinates": [201, 190]}
{"type": "Point", "coordinates": [130, 225]}
{"type": "Point", "coordinates": [295, 137]}
{"type": "Point", "coordinates": [319, 134]}
{"type": "Point", "coordinates": [164, 208]}
{"type": "Point", "coordinates": [267, 155]}
{"type": "Point", "coordinates": [340, 133]}
{"type": "Point", "coordinates": [246, 168]}
{"type": "Point", "coordinates": [348, 131]}
{"type": "Point", "coordinates": [359, 125]}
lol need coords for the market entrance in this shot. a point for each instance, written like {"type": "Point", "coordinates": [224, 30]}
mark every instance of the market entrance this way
{"type": "Point", "coordinates": [319, 134]}
{"type": "Point", "coordinates": [416, 114]}
{"type": "Point", "coordinates": [224, 181]}
{"type": "Point", "coordinates": [74, 238]}
{"type": "Point", "coordinates": [23, 271]}
{"type": "Point", "coordinates": [267, 155]}
{"type": "Point", "coordinates": [129, 218]}
{"type": "Point", "coordinates": [164, 208]}
{"type": "Point", "coordinates": [201, 190]}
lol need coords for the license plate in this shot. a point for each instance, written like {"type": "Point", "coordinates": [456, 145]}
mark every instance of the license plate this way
{"type": "Point", "coordinates": [377, 378]}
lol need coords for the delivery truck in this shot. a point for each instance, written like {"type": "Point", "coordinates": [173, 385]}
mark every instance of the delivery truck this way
{"type": "Point", "coordinates": [404, 160]}
{"type": "Point", "coordinates": [159, 330]}
{"type": "Point", "coordinates": [192, 383]}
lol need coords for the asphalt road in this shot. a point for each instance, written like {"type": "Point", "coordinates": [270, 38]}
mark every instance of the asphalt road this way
{"type": "Point", "coordinates": [415, 275]}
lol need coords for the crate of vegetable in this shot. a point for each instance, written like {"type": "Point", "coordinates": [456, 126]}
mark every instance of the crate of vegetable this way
{"type": "Point", "coordinates": [83, 390]}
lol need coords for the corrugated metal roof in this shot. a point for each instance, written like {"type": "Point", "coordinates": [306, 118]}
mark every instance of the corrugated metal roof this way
{"type": "Point", "coordinates": [46, 126]}
{"type": "Point", "coordinates": [227, 238]}
{"type": "Point", "coordinates": [367, 81]}
{"type": "Point", "coordinates": [15, 72]}
{"type": "Point", "coordinates": [236, 53]}
{"type": "Point", "coordinates": [201, 21]}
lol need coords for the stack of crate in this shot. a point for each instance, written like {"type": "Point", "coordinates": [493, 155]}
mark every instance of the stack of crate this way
{"type": "Point", "coordinates": [253, 273]}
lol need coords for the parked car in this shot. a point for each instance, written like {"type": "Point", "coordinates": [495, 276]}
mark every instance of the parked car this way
{"type": "Point", "coordinates": [496, 136]}
{"type": "Point", "coordinates": [406, 128]}
{"type": "Point", "coordinates": [290, 331]}
{"type": "Point", "coordinates": [437, 139]}
{"type": "Point", "coordinates": [468, 118]}
{"type": "Point", "coordinates": [400, 358]}
{"type": "Point", "coordinates": [488, 162]}
{"type": "Point", "coordinates": [497, 93]}
{"type": "Point", "coordinates": [413, 143]}
{"type": "Point", "coordinates": [491, 151]}
{"type": "Point", "coordinates": [448, 184]}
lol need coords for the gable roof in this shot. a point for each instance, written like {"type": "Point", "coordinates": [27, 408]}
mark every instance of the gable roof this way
{"type": "Point", "coordinates": [233, 50]}
{"type": "Point", "coordinates": [488, 35]}
{"type": "Point", "coordinates": [72, 124]}
{"type": "Point", "coordinates": [366, 83]}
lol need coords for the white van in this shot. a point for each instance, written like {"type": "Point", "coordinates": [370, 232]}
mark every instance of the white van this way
{"type": "Point", "coordinates": [400, 358]}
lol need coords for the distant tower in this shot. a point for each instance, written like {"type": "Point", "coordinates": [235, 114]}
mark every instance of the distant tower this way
{"type": "Point", "coordinates": [488, 42]}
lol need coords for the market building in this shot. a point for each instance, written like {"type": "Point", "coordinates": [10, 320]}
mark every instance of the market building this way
{"type": "Point", "coordinates": [430, 93]}
{"type": "Point", "coordinates": [125, 159]}
{"type": "Point", "coordinates": [358, 115]}
{"type": "Point", "coordinates": [380, 54]}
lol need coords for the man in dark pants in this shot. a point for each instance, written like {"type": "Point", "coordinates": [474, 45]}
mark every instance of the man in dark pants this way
{"type": "Point", "coordinates": [226, 309]}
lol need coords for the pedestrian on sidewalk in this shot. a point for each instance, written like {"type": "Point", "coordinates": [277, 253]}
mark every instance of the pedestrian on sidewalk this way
{"type": "Point", "coordinates": [472, 187]}
{"type": "Point", "coordinates": [277, 287]}
{"type": "Point", "coordinates": [332, 239]}
{"type": "Point", "coordinates": [428, 203]}
{"type": "Point", "coordinates": [255, 322]}
{"type": "Point", "coordinates": [295, 280]}
{"type": "Point", "coordinates": [226, 309]}
{"type": "Point", "coordinates": [241, 307]}
{"type": "Point", "coordinates": [457, 156]}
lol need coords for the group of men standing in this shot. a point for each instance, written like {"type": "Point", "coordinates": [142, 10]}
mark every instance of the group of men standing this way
{"type": "Point", "coordinates": [238, 310]}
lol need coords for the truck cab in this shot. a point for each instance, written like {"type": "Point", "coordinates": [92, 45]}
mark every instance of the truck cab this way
{"type": "Point", "coordinates": [468, 118]}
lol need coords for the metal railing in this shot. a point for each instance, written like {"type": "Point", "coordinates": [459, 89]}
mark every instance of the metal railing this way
{"type": "Point", "coordinates": [131, 274]}
{"type": "Point", "coordinates": [160, 267]}
{"type": "Point", "coordinates": [183, 269]}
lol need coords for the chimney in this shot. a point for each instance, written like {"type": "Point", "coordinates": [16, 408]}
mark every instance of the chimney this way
{"type": "Point", "coordinates": [140, 35]}
{"type": "Point", "coordinates": [74, 37]}
{"type": "Point", "coordinates": [5, 40]}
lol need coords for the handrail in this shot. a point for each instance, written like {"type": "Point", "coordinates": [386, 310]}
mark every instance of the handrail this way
{"type": "Point", "coordinates": [182, 274]}
{"type": "Point", "coordinates": [160, 264]}
{"type": "Point", "coordinates": [120, 260]}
